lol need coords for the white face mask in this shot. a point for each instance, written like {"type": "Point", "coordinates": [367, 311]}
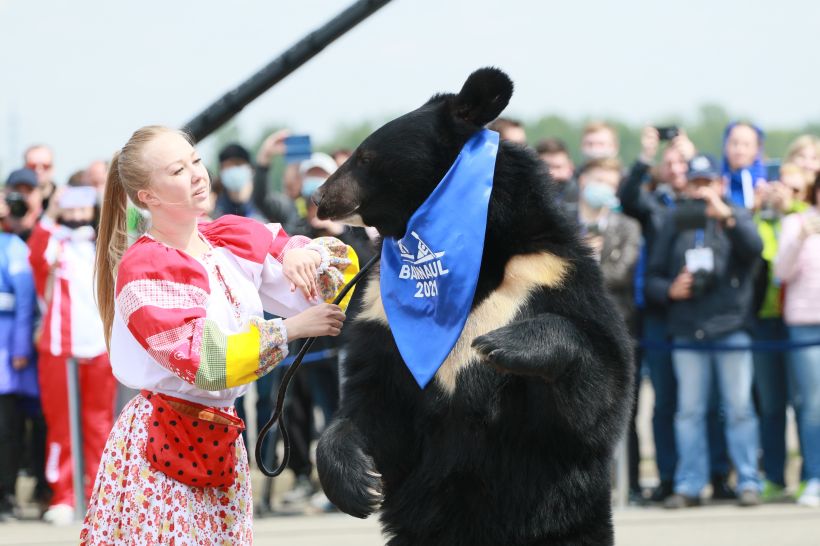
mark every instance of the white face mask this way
{"type": "Point", "coordinates": [310, 184]}
{"type": "Point", "coordinates": [235, 179]}
{"type": "Point", "coordinates": [599, 195]}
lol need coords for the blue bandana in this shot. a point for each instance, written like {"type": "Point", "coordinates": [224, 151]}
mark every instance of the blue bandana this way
{"type": "Point", "coordinates": [429, 276]}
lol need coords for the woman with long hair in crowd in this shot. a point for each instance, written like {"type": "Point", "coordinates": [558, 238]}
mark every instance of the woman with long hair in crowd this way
{"type": "Point", "coordinates": [798, 267]}
{"type": "Point", "coordinates": [804, 151]}
{"type": "Point", "coordinates": [182, 310]}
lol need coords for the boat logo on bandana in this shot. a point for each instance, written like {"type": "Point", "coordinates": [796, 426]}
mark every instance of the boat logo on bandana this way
{"type": "Point", "coordinates": [423, 266]}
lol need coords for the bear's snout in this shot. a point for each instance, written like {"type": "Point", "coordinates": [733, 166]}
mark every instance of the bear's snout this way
{"type": "Point", "coordinates": [317, 197]}
{"type": "Point", "coordinates": [337, 198]}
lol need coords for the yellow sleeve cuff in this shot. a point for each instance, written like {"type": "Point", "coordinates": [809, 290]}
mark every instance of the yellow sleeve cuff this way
{"type": "Point", "coordinates": [347, 275]}
{"type": "Point", "coordinates": [242, 358]}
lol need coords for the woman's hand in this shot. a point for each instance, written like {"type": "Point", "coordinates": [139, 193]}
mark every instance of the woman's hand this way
{"type": "Point", "coordinates": [324, 319]}
{"type": "Point", "coordinates": [300, 269]}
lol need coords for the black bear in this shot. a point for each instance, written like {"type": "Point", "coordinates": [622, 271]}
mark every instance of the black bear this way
{"type": "Point", "coordinates": [511, 443]}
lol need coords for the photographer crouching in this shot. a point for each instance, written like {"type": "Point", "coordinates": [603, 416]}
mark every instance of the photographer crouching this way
{"type": "Point", "coordinates": [701, 270]}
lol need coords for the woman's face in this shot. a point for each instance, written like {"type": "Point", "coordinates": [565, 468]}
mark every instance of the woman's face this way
{"type": "Point", "coordinates": [179, 181]}
{"type": "Point", "coordinates": [807, 159]}
{"type": "Point", "coordinates": [741, 147]}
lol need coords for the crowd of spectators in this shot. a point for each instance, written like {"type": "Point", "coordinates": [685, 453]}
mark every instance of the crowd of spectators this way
{"type": "Point", "coordinates": [713, 263]}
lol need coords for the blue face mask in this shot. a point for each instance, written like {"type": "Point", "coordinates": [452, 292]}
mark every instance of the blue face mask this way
{"type": "Point", "coordinates": [310, 184]}
{"type": "Point", "coordinates": [599, 195]}
{"type": "Point", "coordinates": [236, 178]}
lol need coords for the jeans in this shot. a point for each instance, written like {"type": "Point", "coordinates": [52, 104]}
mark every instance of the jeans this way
{"type": "Point", "coordinates": [694, 371]}
{"type": "Point", "coordinates": [659, 363]}
{"type": "Point", "coordinates": [771, 386]}
{"type": "Point", "coordinates": [804, 372]}
{"type": "Point", "coordinates": [662, 374]}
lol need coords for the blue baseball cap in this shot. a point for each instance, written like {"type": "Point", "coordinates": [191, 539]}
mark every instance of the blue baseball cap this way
{"type": "Point", "coordinates": [703, 167]}
{"type": "Point", "coordinates": [22, 176]}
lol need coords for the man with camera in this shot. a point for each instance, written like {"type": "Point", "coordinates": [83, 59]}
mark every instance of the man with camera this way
{"type": "Point", "coordinates": [646, 194]}
{"type": "Point", "coordinates": [701, 270]}
{"type": "Point", "coordinates": [22, 203]}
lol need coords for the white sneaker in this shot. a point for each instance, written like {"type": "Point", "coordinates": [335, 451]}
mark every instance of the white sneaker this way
{"type": "Point", "coordinates": [811, 494]}
{"type": "Point", "coordinates": [321, 502]}
{"type": "Point", "coordinates": [59, 514]}
{"type": "Point", "coordinates": [301, 491]}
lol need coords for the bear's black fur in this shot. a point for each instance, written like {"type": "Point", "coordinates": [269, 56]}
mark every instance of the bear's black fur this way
{"type": "Point", "coordinates": [517, 449]}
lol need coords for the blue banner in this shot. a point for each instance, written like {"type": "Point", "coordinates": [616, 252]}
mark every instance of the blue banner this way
{"type": "Point", "coordinates": [429, 276]}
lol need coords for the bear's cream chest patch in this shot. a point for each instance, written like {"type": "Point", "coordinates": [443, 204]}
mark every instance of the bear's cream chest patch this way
{"type": "Point", "coordinates": [522, 274]}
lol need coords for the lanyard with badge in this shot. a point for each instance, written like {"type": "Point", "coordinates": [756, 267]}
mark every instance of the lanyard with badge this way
{"type": "Point", "coordinates": [700, 258]}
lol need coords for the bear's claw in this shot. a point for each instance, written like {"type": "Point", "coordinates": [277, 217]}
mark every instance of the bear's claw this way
{"type": "Point", "coordinates": [348, 474]}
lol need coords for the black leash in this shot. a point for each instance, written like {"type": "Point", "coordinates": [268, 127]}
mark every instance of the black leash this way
{"type": "Point", "coordinates": [277, 417]}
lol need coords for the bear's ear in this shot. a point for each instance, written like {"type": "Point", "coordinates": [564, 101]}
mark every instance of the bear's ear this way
{"type": "Point", "coordinates": [484, 96]}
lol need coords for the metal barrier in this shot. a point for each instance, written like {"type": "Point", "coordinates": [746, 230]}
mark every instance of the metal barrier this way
{"type": "Point", "coordinates": [78, 463]}
{"type": "Point", "coordinates": [778, 346]}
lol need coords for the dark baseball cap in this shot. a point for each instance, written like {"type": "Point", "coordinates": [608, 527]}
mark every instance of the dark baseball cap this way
{"type": "Point", "coordinates": [22, 176]}
{"type": "Point", "coordinates": [703, 167]}
{"type": "Point", "coordinates": [234, 151]}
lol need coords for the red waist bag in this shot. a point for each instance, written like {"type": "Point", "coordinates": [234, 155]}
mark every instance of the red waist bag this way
{"type": "Point", "coordinates": [191, 443]}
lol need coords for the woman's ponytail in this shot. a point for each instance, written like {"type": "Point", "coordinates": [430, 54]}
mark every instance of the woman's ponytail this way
{"type": "Point", "coordinates": [128, 174]}
{"type": "Point", "coordinates": [112, 240]}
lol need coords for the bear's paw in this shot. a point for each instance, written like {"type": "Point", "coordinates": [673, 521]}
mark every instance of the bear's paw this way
{"type": "Point", "coordinates": [348, 474]}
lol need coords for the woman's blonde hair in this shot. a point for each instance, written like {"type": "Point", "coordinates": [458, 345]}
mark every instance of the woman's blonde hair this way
{"type": "Point", "coordinates": [803, 141]}
{"type": "Point", "coordinates": [127, 175]}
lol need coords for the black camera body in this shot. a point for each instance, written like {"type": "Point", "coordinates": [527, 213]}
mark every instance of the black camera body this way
{"type": "Point", "coordinates": [702, 281]}
{"type": "Point", "coordinates": [690, 214]}
{"type": "Point", "coordinates": [667, 133]}
{"type": "Point", "coordinates": [17, 203]}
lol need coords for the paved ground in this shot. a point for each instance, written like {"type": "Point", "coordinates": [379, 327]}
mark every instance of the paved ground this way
{"type": "Point", "coordinates": [775, 525]}
{"type": "Point", "coordinates": [770, 525]}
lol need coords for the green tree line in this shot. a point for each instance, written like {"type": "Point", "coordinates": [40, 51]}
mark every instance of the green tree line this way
{"type": "Point", "coordinates": [705, 129]}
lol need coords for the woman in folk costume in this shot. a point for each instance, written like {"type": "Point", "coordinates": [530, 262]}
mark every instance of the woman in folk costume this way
{"type": "Point", "coordinates": [62, 258]}
{"type": "Point", "coordinates": [183, 314]}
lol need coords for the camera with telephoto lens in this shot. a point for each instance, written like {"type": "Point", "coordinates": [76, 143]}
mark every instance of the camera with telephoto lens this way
{"type": "Point", "coordinates": [18, 206]}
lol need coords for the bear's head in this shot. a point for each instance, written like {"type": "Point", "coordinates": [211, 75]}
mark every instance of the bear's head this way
{"type": "Point", "coordinates": [397, 167]}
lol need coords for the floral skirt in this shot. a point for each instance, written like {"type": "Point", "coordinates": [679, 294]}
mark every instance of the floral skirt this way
{"type": "Point", "coordinates": [134, 504]}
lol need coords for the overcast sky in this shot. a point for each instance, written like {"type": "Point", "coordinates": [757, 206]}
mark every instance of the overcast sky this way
{"type": "Point", "coordinates": [82, 75]}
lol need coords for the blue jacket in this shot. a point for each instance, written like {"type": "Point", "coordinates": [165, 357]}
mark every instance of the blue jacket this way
{"type": "Point", "coordinates": [17, 315]}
